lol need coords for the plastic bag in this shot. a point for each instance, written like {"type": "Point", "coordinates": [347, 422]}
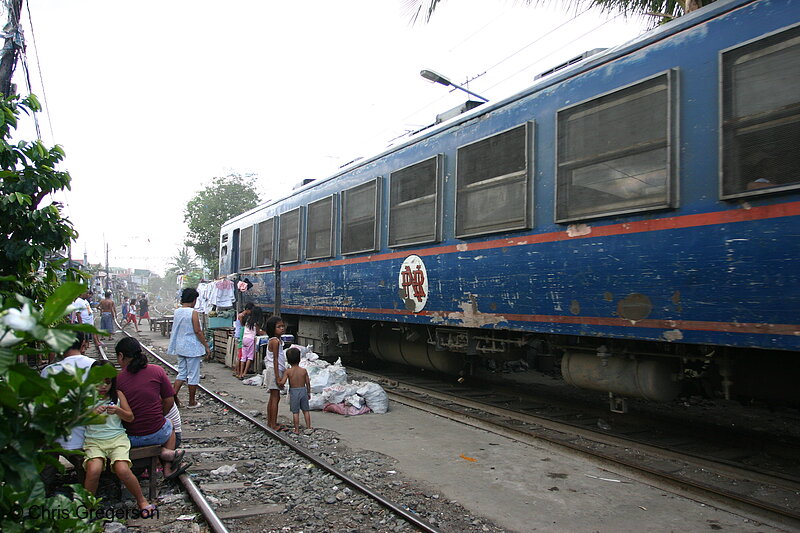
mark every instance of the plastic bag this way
{"type": "Point", "coordinates": [256, 380]}
{"type": "Point", "coordinates": [374, 396]}
{"type": "Point", "coordinates": [316, 402]}
{"type": "Point", "coordinates": [337, 393]}
{"type": "Point", "coordinates": [355, 400]}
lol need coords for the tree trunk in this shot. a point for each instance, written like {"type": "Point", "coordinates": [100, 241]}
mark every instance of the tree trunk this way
{"type": "Point", "coordinates": [12, 45]}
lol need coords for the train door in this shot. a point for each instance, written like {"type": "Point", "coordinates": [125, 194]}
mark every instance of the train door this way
{"type": "Point", "coordinates": [235, 251]}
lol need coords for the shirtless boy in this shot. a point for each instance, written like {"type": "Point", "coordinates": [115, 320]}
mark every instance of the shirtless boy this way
{"type": "Point", "coordinates": [299, 388]}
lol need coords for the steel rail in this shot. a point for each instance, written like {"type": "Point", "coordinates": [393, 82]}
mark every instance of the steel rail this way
{"type": "Point", "coordinates": [199, 499]}
{"type": "Point", "coordinates": [740, 502]}
{"type": "Point", "coordinates": [406, 515]}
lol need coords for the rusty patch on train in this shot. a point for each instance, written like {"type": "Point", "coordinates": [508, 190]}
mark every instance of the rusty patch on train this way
{"type": "Point", "coordinates": [676, 300]}
{"type": "Point", "coordinates": [471, 317]}
{"type": "Point", "coordinates": [635, 307]}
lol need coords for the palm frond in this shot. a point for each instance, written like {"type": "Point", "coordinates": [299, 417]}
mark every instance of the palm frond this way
{"type": "Point", "coordinates": [661, 10]}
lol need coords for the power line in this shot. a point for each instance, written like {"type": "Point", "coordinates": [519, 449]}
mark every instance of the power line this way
{"type": "Point", "coordinates": [39, 68]}
{"type": "Point", "coordinates": [520, 71]}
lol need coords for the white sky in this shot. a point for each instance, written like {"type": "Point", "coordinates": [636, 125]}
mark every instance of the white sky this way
{"type": "Point", "coordinates": [151, 99]}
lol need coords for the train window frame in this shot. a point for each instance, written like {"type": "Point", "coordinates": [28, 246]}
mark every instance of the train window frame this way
{"type": "Point", "coordinates": [732, 184]}
{"type": "Point", "coordinates": [463, 230]}
{"type": "Point", "coordinates": [248, 230]}
{"type": "Point", "coordinates": [309, 228]}
{"type": "Point", "coordinates": [258, 247]}
{"type": "Point", "coordinates": [564, 170]}
{"type": "Point", "coordinates": [298, 212]}
{"type": "Point", "coordinates": [396, 208]}
{"type": "Point", "coordinates": [376, 216]}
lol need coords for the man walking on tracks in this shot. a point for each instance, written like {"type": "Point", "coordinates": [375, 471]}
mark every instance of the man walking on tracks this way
{"type": "Point", "coordinates": [108, 312]}
{"type": "Point", "coordinates": [144, 309]}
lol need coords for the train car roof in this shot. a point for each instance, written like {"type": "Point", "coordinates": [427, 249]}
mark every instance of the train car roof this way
{"type": "Point", "coordinates": [652, 36]}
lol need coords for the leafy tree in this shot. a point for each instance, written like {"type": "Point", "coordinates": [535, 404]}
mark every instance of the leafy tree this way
{"type": "Point", "coordinates": [32, 229]}
{"type": "Point", "coordinates": [663, 10]}
{"type": "Point", "coordinates": [35, 411]}
{"type": "Point", "coordinates": [222, 199]}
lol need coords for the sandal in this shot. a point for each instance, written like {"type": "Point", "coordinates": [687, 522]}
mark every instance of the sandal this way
{"type": "Point", "coordinates": [176, 461]}
{"type": "Point", "coordinates": [148, 511]}
{"type": "Point", "coordinates": [283, 428]}
{"type": "Point", "coordinates": [195, 406]}
{"type": "Point", "coordinates": [177, 472]}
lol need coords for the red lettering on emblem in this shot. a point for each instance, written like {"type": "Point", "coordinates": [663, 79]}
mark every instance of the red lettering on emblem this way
{"type": "Point", "coordinates": [415, 281]}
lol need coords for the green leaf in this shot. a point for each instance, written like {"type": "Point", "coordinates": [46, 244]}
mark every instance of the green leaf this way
{"type": "Point", "coordinates": [56, 305]}
{"type": "Point", "coordinates": [7, 358]}
{"type": "Point", "coordinates": [22, 199]}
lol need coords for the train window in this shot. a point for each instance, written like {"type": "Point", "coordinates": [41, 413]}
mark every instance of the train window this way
{"type": "Point", "coordinates": [319, 229]}
{"type": "Point", "coordinates": [492, 184]}
{"type": "Point", "coordinates": [289, 230]}
{"type": "Point", "coordinates": [359, 218]}
{"type": "Point", "coordinates": [761, 116]}
{"type": "Point", "coordinates": [246, 248]}
{"type": "Point", "coordinates": [265, 236]}
{"type": "Point", "coordinates": [414, 203]}
{"type": "Point", "coordinates": [615, 152]}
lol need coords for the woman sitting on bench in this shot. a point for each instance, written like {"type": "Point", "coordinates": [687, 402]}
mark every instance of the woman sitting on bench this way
{"type": "Point", "coordinates": [150, 395]}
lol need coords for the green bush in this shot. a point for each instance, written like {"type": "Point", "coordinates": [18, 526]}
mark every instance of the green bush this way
{"type": "Point", "coordinates": [36, 411]}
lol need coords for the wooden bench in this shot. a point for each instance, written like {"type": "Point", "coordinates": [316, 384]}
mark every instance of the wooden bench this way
{"type": "Point", "coordinates": [147, 457]}
{"type": "Point", "coordinates": [165, 325]}
{"type": "Point", "coordinates": [144, 457]}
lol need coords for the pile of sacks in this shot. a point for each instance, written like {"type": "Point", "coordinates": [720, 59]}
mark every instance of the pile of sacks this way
{"type": "Point", "coordinates": [330, 390]}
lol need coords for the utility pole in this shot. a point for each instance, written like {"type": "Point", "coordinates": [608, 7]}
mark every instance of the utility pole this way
{"type": "Point", "coordinates": [12, 44]}
{"type": "Point", "coordinates": [108, 279]}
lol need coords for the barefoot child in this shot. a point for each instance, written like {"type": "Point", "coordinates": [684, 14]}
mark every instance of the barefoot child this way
{"type": "Point", "coordinates": [110, 442]}
{"type": "Point", "coordinates": [275, 365]}
{"type": "Point", "coordinates": [299, 388]}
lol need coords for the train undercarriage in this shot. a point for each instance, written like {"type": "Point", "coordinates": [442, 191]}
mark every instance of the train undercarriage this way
{"type": "Point", "coordinates": [659, 372]}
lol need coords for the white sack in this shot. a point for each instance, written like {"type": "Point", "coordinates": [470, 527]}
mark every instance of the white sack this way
{"type": "Point", "coordinates": [337, 393]}
{"type": "Point", "coordinates": [316, 402]}
{"type": "Point", "coordinates": [375, 397]}
{"type": "Point", "coordinates": [256, 380]}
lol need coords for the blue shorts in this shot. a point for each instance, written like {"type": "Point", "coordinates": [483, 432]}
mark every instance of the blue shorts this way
{"type": "Point", "coordinates": [298, 399]}
{"type": "Point", "coordinates": [159, 437]}
{"type": "Point", "coordinates": [189, 369]}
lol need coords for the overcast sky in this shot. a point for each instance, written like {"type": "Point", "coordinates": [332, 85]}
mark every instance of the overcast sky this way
{"type": "Point", "coordinates": [151, 99]}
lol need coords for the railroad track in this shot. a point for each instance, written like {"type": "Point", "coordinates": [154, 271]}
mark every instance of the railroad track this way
{"type": "Point", "coordinates": [242, 466]}
{"type": "Point", "coordinates": [698, 469]}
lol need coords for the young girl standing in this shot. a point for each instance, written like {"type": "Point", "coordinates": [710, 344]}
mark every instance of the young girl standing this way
{"type": "Point", "coordinates": [238, 331]}
{"type": "Point", "coordinates": [109, 441]}
{"type": "Point", "coordinates": [275, 365]}
{"type": "Point", "coordinates": [252, 327]}
{"type": "Point", "coordinates": [131, 316]}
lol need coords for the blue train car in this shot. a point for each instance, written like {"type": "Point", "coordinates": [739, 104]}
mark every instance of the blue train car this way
{"type": "Point", "coordinates": [635, 215]}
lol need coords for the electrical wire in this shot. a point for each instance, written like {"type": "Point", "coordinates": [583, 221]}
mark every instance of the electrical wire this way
{"type": "Point", "coordinates": [39, 68]}
{"type": "Point", "coordinates": [552, 53]}
{"type": "Point", "coordinates": [539, 38]}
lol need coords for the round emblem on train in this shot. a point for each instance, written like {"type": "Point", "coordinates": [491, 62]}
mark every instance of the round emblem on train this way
{"type": "Point", "coordinates": [413, 282]}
